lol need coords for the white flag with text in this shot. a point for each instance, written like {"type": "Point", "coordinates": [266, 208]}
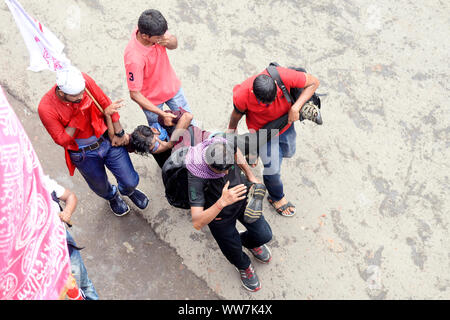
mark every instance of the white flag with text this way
{"type": "Point", "coordinates": [46, 51]}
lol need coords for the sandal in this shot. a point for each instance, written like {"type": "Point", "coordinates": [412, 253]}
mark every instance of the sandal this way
{"type": "Point", "coordinates": [280, 210]}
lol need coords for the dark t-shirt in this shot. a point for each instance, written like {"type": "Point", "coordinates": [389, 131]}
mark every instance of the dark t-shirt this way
{"type": "Point", "coordinates": [205, 192]}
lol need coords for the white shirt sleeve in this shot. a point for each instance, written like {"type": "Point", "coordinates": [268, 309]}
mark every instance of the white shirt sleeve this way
{"type": "Point", "coordinates": [51, 185]}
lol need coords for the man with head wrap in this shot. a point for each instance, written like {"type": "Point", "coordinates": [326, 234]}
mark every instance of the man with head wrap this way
{"type": "Point", "coordinates": [217, 191]}
{"type": "Point", "coordinates": [73, 120]}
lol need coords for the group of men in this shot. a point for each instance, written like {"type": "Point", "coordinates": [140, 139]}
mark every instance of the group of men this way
{"type": "Point", "coordinates": [85, 122]}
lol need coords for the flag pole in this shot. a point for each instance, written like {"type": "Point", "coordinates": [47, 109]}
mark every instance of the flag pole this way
{"type": "Point", "coordinates": [95, 101]}
{"type": "Point", "coordinates": [110, 127]}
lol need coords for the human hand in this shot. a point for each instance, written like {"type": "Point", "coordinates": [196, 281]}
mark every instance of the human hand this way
{"type": "Point", "coordinates": [168, 119]}
{"type": "Point", "coordinates": [113, 107]}
{"type": "Point", "coordinates": [120, 141]}
{"type": "Point", "coordinates": [235, 194]}
{"type": "Point", "coordinates": [253, 179]}
{"type": "Point", "coordinates": [126, 137]}
{"type": "Point", "coordinates": [65, 216]}
{"type": "Point", "coordinates": [164, 40]}
{"type": "Point", "coordinates": [294, 114]}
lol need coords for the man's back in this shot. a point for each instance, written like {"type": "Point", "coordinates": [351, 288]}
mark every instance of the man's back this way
{"type": "Point", "coordinates": [259, 114]}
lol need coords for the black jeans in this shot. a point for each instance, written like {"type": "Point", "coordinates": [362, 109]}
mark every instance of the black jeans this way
{"type": "Point", "coordinates": [231, 243]}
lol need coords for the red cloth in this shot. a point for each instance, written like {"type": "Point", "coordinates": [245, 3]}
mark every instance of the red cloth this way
{"type": "Point", "coordinates": [56, 115]}
{"type": "Point", "coordinates": [149, 71]}
{"type": "Point", "coordinates": [257, 114]}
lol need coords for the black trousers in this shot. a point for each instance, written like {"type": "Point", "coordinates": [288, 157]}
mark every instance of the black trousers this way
{"type": "Point", "coordinates": [231, 242]}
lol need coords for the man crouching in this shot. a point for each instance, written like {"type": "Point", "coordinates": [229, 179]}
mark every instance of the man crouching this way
{"type": "Point", "coordinates": [217, 195]}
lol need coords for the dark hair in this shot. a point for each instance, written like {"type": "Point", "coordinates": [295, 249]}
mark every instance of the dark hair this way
{"type": "Point", "coordinates": [152, 23]}
{"type": "Point", "coordinates": [141, 139]}
{"type": "Point", "coordinates": [219, 156]}
{"type": "Point", "coordinates": [264, 88]}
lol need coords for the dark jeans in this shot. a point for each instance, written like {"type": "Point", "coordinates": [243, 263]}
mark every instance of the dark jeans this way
{"type": "Point", "coordinates": [272, 155]}
{"type": "Point", "coordinates": [91, 165]}
{"type": "Point", "coordinates": [231, 243]}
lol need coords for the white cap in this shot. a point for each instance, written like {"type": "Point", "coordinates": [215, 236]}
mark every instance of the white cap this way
{"type": "Point", "coordinates": [70, 80]}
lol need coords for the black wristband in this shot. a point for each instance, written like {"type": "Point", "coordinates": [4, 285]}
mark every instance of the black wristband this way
{"type": "Point", "coordinates": [120, 134]}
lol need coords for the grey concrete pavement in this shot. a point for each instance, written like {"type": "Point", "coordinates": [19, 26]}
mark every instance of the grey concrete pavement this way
{"type": "Point", "coordinates": [371, 185]}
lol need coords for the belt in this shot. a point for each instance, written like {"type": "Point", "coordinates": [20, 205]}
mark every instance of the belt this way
{"type": "Point", "coordinates": [91, 147]}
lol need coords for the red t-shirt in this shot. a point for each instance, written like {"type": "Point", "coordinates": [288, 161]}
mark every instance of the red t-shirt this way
{"type": "Point", "coordinates": [257, 114]}
{"type": "Point", "coordinates": [56, 115]}
{"type": "Point", "coordinates": [149, 71]}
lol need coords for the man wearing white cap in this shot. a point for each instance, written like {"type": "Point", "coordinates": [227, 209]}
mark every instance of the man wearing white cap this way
{"type": "Point", "coordinates": [73, 120]}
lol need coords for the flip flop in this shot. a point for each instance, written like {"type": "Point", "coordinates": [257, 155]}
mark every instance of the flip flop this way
{"type": "Point", "coordinates": [283, 208]}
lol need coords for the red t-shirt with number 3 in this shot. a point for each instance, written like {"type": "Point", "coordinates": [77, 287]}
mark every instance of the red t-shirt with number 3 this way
{"type": "Point", "coordinates": [149, 71]}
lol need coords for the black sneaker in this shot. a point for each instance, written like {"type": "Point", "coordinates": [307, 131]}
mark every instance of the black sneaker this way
{"type": "Point", "coordinates": [139, 199]}
{"type": "Point", "coordinates": [255, 197]}
{"type": "Point", "coordinates": [118, 206]}
{"type": "Point", "coordinates": [262, 254]}
{"type": "Point", "coordinates": [249, 279]}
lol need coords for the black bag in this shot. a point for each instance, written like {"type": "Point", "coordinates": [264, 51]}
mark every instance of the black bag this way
{"type": "Point", "coordinates": [174, 175]}
{"type": "Point", "coordinates": [292, 95]}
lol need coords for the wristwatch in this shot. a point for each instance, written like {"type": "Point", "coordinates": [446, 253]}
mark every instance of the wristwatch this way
{"type": "Point", "coordinates": [119, 134]}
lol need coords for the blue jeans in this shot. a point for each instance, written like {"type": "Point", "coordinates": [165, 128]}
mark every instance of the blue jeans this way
{"type": "Point", "coordinates": [272, 155]}
{"type": "Point", "coordinates": [178, 100]}
{"type": "Point", "coordinates": [91, 165]}
{"type": "Point", "coordinates": [79, 270]}
{"type": "Point", "coordinates": [231, 243]}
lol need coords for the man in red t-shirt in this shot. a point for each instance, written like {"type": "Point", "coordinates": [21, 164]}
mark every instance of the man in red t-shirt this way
{"type": "Point", "coordinates": [262, 101]}
{"type": "Point", "coordinates": [72, 119]}
{"type": "Point", "coordinates": [151, 80]}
